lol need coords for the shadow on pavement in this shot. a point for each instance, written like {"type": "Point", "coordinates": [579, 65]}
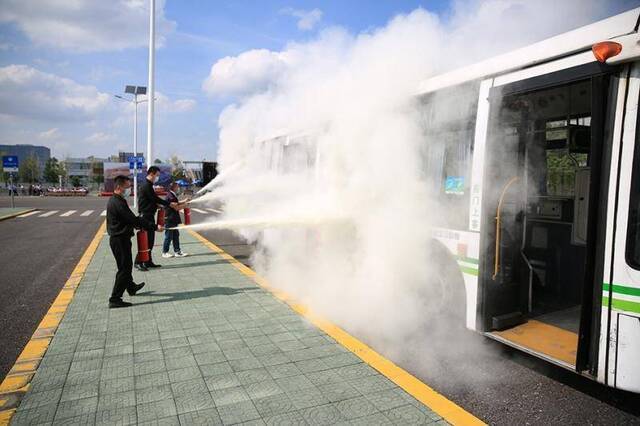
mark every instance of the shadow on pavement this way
{"type": "Point", "coordinates": [195, 294]}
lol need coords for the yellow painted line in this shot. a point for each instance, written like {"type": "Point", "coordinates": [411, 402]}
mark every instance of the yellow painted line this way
{"type": "Point", "coordinates": [17, 381]}
{"type": "Point", "coordinates": [445, 408]}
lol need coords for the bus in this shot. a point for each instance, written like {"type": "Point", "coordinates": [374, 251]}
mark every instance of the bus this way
{"type": "Point", "coordinates": [544, 166]}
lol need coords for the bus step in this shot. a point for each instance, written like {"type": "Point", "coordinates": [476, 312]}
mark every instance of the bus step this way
{"type": "Point", "coordinates": [504, 321]}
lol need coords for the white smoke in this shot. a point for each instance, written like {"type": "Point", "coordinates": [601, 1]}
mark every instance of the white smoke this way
{"type": "Point", "coordinates": [353, 96]}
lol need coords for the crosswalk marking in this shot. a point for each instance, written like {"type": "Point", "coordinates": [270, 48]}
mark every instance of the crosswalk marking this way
{"type": "Point", "coordinates": [29, 214]}
{"type": "Point", "coordinates": [215, 211]}
{"type": "Point", "coordinates": [69, 213]}
{"type": "Point", "coordinates": [49, 213]}
{"type": "Point", "coordinates": [104, 213]}
{"type": "Point", "coordinates": [87, 213]}
{"type": "Point", "coordinates": [199, 210]}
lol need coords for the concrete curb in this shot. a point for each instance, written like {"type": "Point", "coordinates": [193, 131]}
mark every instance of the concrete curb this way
{"type": "Point", "coordinates": [12, 215]}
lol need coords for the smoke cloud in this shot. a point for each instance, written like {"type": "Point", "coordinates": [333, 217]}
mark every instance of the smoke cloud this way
{"type": "Point", "coordinates": [342, 210]}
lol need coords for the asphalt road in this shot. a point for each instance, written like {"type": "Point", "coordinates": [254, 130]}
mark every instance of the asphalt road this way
{"type": "Point", "coordinates": [38, 255]}
{"type": "Point", "coordinates": [498, 384]}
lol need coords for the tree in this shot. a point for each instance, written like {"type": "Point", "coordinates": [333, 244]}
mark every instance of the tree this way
{"type": "Point", "coordinates": [52, 169]}
{"type": "Point", "coordinates": [75, 181]}
{"type": "Point", "coordinates": [177, 167]}
{"type": "Point", "coordinates": [30, 169]}
{"type": "Point", "coordinates": [157, 161]}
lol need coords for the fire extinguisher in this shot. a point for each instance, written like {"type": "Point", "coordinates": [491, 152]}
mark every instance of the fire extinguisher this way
{"type": "Point", "coordinates": [161, 217]}
{"type": "Point", "coordinates": [187, 216]}
{"type": "Point", "coordinates": [143, 246]}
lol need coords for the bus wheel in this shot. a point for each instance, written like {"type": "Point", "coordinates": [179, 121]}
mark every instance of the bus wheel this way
{"type": "Point", "coordinates": [445, 298]}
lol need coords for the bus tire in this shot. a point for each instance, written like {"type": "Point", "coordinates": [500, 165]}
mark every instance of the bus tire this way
{"type": "Point", "coordinates": [446, 296]}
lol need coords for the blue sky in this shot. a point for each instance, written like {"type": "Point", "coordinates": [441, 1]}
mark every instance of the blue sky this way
{"type": "Point", "coordinates": [61, 65]}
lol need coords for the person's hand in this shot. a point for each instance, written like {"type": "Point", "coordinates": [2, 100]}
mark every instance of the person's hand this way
{"type": "Point", "coordinates": [173, 205]}
{"type": "Point", "coordinates": [160, 228]}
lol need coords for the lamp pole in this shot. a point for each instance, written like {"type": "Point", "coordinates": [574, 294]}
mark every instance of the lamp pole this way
{"type": "Point", "coordinates": [135, 91]}
{"type": "Point", "coordinates": [152, 49]}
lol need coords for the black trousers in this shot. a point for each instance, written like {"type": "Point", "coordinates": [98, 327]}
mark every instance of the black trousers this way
{"type": "Point", "coordinates": [121, 249]}
{"type": "Point", "coordinates": [151, 235]}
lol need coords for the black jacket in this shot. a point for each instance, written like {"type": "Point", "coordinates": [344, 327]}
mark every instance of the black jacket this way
{"type": "Point", "coordinates": [171, 216]}
{"type": "Point", "coordinates": [148, 200]}
{"type": "Point", "coordinates": [121, 220]}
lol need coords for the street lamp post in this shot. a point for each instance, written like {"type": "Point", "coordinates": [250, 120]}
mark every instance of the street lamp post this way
{"type": "Point", "coordinates": [152, 54]}
{"type": "Point", "coordinates": [135, 91]}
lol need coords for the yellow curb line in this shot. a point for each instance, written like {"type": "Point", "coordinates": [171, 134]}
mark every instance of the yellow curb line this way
{"type": "Point", "coordinates": [16, 384]}
{"type": "Point", "coordinates": [445, 408]}
{"type": "Point", "coordinates": [11, 215]}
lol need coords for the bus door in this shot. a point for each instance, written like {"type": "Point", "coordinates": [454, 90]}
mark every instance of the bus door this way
{"type": "Point", "coordinates": [542, 183]}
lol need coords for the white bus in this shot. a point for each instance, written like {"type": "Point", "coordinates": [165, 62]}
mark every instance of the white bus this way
{"type": "Point", "coordinates": [545, 165]}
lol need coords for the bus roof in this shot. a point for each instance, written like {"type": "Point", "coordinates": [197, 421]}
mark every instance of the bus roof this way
{"type": "Point", "coordinates": [580, 39]}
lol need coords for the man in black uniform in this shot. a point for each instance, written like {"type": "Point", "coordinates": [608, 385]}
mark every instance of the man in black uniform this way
{"type": "Point", "coordinates": [120, 224]}
{"type": "Point", "coordinates": [147, 206]}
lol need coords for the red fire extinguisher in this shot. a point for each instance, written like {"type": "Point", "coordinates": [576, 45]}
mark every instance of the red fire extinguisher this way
{"type": "Point", "coordinates": [161, 217]}
{"type": "Point", "coordinates": [187, 216]}
{"type": "Point", "coordinates": [143, 246]}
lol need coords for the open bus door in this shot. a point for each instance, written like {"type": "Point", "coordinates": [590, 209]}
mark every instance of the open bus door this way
{"type": "Point", "coordinates": [541, 213]}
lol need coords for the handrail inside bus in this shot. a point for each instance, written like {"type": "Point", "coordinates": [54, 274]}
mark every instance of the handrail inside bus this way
{"type": "Point", "coordinates": [496, 265]}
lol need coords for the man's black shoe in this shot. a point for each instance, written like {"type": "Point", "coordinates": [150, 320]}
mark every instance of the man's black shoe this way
{"type": "Point", "coordinates": [119, 304]}
{"type": "Point", "coordinates": [141, 267]}
{"type": "Point", "coordinates": [134, 289]}
{"type": "Point", "coordinates": [152, 265]}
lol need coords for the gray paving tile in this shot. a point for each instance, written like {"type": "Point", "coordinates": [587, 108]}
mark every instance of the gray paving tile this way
{"type": "Point", "coordinates": [238, 412]}
{"type": "Point", "coordinates": [207, 417]}
{"type": "Point", "coordinates": [117, 416]}
{"type": "Point", "coordinates": [215, 369]}
{"type": "Point", "coordinates": [356, 407]}
{"type": "Point", "coordinates": [308, 398]}
{"type": "Point", "coordinates": [153, 394]}
{"type": "Point", "coordinates": [339, 391]}
{"type": "Point", "coordinates": [182, 374]}
{"type": "Point", "coordinates": [263, 389]}
{"type": "Point", "coordinates": [222, 381]}
{"type": "Point", "coordinates": [156, 410]}
{"type": "Point", "coordinates": [71, 393]}
{"type": "Point", "coordinates": [372, 420]}
{"type": "Point", "coordinates": [323, 415]}
{"type": "Point", "coordinates": [39, 415]}
{"type": "Point", "coordinates": [273, 405]}
{"type": "Point", "coordinates": [288, 419]}
{"type": "Point", "coordinates": [116, 400]}
{"type": "Point", "coordinates": [229, 396]}
{"type": "Point", "coordinates": [75, 408]}
{"type": "Point", "coordinates": [39, 399]}
{"type": "Point", "coordinates": [153, 379]}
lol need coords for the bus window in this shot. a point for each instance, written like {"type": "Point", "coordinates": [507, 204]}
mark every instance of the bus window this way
{"type": "Point", "coordinates": [448, 123]}
{"type": "Point", "coordinates": [633, 228]}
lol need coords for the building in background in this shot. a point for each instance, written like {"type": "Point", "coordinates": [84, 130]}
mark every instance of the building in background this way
{"type": "Point", "coordinates": [41, 153]}
{"type": "Point", "coordinates": [84, 171]}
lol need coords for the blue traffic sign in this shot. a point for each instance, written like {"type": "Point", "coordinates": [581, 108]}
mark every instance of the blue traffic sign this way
{"type": "Point", "coordinates": [139, 161]}
{"type": "Point", "coordinates": [10, 163]}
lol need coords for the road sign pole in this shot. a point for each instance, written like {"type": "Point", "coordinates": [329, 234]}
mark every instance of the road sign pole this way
{"type": "Point", "coordinates": [13, 204]}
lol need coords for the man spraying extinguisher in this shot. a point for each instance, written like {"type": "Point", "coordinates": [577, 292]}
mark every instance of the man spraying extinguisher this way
{"type": "Point", "coordinates": [120, 224]}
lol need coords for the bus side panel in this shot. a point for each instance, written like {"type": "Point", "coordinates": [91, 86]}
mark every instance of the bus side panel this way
{"type": "Point", "coordinates": [622, 292]}
{"type": "Point", "coordinates": [464, 248]}
{"type": "Point", "coordinates": [606, 346]}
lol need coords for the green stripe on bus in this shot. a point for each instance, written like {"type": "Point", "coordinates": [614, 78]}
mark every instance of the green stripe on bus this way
{"type": "Point", "coordinates": [623, 305]}
{"type": "Point", "coordinates": [633, 291]}
{"type": "Point", "coordinates": [467, 259]}
{"type": "Point", "coordinates": [469, 271]}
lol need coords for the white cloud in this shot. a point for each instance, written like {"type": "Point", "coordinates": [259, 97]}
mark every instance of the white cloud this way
{"type": "Point", "coordinates": [248, 72]}
{"type": "Point", "coordinates": [86, 25]}
{"type": "Point", "coordinates": [307, 19]}
{"type": "Point", "coordinates": [184, 105]}
{"type": "Point", "coordinates": [50, 134]}
{"type": "Point", "coordinates": [29, 93]}
{"type": "Point", "coordinates": [101, 138]}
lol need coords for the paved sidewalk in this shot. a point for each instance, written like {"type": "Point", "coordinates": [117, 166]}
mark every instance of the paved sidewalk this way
{"type": "Point", "coordinates": [8, 212]}
{"type": "Point", "coordinates": [202, 345]}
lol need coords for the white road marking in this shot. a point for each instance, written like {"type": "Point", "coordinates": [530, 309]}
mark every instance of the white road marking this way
{"type": "Point", "coordinates": [215, 211]}
{"type": "Point", "coordinates": [69, 213]}
{"type": "Point", "coordinates": [87, 213]}
{"type": "Point", "coordinates": [104, 213]}
{"type": "Point", "coordinates": [199, 210]}
{"type": "Point", "coordinates": [47, 214]}
{"type": "Point", "coordinates": [29, 214]}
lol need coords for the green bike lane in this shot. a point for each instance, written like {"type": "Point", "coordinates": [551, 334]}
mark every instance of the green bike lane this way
{"type": "Point", "coordinates": [205, 343]}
